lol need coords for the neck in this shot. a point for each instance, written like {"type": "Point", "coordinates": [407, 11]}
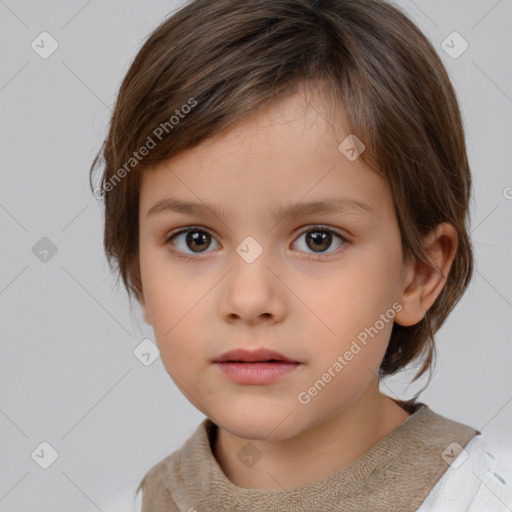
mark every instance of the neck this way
{"type": "Point", "coordinates": [316, 452]}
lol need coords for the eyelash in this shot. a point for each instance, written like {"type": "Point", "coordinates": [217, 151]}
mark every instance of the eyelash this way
{"type": "Point", "coordinates": [191, 257]}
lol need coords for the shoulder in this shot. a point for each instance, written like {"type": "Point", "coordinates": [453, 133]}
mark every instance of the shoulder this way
{"type": "Point", "coordinates": [478, 479]}
{"type": "Point", "coordinates": [431, 440]}
{"type": "Point", "coordinates": [162, 485]}
{"type": "Point", "coordinates": [153, 492]}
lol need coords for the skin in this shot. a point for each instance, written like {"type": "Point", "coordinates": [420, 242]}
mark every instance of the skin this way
{"type": "Point", "coordinates": [308, 305]}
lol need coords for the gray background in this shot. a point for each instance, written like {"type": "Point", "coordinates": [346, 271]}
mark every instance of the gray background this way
{"type": "Point", "coordinates": [68, 373]}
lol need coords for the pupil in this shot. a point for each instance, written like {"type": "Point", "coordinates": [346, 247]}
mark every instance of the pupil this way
{"type": "Point", "coordinates": [197, 237]}
{"type": "Point", "coordinates": [320, 240]}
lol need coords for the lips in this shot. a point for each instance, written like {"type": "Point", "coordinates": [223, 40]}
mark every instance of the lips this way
{"type": "Point", "coordinates": [255, 367]}
{"type": "Point", "coordinates": [253, 356]}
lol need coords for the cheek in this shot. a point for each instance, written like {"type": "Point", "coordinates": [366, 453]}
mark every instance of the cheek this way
{"type": "Point", "coordinates": [176, 313]}
{"type": "Point", "coordinates": [170, 299]}
{"type": "Point", "coordinates": [356, 294]}
{"type": "Point", "coordinates": [355, 307]}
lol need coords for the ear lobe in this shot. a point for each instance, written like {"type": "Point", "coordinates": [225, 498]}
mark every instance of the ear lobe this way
{"type": "Point", "coordinates": [422, 283]}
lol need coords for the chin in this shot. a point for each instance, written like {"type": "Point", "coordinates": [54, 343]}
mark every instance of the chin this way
{"type": "Point", "coordinates": [257, 426]}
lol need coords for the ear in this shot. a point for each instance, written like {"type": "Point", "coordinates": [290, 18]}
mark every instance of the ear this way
{"type": "Point", "coordinates": [145, 311]}
{"type": "Point", "coordinates": [421, 283]}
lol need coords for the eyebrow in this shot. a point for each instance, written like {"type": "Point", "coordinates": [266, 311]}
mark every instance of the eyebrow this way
{"type": "Point", "coordinates": [331, 205]}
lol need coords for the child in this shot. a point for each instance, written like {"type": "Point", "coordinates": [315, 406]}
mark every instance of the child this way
{"type": "Point", "coordinates": [315, 150]}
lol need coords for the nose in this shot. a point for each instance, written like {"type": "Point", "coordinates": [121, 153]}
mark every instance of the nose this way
{"type": "Point", "coordinates": [252, 290]}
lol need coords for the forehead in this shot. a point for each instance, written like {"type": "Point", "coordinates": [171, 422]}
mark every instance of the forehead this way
{"type": "Point", "coordinates": [286, 152]}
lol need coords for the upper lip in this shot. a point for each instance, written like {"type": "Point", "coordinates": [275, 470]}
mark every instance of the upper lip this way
{"type": "Point", "coordinates": [251, 356]}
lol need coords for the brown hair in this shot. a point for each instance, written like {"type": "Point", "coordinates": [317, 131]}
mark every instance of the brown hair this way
{"type": "Point", "coordinates": [214, 61]}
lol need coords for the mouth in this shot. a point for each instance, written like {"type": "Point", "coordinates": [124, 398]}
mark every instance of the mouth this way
{"type": "Point", "coordinates": [260, 355]}
{"type": "Point", "coordinates": [256, 367]}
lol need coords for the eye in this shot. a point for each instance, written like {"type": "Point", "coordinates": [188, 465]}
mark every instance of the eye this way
{"type": "Point", "coordinates": [321, 238]}
{"type": "Point", "coordinates": [318, 238]}
{"type": "Point", "coordinates": [196, 239]}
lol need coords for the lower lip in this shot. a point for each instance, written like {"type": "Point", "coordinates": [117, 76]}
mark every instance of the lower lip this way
{"type": "Point", "coordinates": [256, 373]}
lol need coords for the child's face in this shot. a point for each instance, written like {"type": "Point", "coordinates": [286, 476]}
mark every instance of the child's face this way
{"type": "Point", "coordinates": [304, 296]}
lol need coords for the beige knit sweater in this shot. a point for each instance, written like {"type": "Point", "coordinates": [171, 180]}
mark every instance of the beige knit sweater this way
{"type": "Point", "coordinates": [396, 474]}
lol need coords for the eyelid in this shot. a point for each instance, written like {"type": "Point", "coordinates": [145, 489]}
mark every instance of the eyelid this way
{"type": "Point", "coordinates": [307, 227]}
{"type": "Point", "coordinates": [343, 234]}
{"type": "Point", "coordinates": [185, 229]}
